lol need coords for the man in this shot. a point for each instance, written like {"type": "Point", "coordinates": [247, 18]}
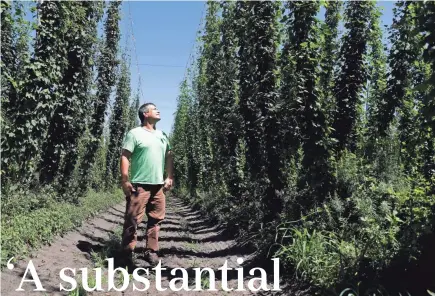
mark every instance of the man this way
{"type": "Point", "coordinates": [150, 153]}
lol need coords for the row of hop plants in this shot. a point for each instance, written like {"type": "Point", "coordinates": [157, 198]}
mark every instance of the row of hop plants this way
{"type": "Point", "coordinates": [303, 140]}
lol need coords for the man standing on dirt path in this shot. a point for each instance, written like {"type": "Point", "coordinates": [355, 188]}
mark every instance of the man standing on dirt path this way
{"type": "Point", "coordinates": [150, 153]}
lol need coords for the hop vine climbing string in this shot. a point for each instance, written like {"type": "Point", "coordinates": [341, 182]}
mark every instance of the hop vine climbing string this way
{"type": "Point", "coordinates": [195, 44]}
{"type": "Point", "coordinates": [135, 51]}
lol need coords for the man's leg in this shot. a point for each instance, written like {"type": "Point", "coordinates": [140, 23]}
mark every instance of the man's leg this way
{"type": "Point", "coordinates": [134, 213]}
{"type": "Point", "coordinates": [156, 208]}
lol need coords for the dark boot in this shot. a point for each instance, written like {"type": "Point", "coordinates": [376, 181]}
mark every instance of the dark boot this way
{"type": "Point", "coordinates": [126, 261]}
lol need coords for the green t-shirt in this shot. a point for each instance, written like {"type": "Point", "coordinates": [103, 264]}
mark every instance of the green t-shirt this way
{"type": "Point", "coordinates": [148, 150]}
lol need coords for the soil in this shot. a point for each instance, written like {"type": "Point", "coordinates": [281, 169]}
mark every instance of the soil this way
{"type": "Point", "coordinates": [186, 241]}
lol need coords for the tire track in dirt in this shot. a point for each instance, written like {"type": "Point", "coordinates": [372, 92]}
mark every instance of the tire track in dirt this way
{"type": "Point", "coordinates": [186, 241]}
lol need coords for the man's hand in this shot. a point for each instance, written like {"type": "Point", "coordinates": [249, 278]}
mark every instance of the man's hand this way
{"type": "Point", "coordinates": [127, 188]}
{"type": "Point", "coordinates": [168, 184]}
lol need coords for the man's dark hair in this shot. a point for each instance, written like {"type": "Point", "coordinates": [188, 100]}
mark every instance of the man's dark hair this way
{"type": "Point", "coordinates": [144, 109]}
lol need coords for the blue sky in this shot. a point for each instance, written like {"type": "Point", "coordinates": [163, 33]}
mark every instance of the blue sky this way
{"type": "Point", "coordinates": [165, 33]}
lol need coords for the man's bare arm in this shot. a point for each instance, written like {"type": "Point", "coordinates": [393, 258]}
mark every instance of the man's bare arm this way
{"type": "Point", "coordinates": [170, 164]}
{"type": "Point", "coordinates": [125, 164]}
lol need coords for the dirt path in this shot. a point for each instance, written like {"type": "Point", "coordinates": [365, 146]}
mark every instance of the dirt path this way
{"type": "Point", "coordinates": [186, 241]}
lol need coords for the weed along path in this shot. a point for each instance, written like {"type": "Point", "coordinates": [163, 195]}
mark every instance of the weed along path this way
{"type": "Point", "coordinates": [187, 243]}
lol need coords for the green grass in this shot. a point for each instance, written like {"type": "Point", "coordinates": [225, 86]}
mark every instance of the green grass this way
{"type": "Point", "coordinates": [192, 246]}
{"type": "Point", "coordinates": [80, 291]}
{"type": "Point", "coordinates": [314, 256]}
{"type": "Point", "coordinates": [109, 249]}
{"type": "Point", "coordinates": [24, 233]}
